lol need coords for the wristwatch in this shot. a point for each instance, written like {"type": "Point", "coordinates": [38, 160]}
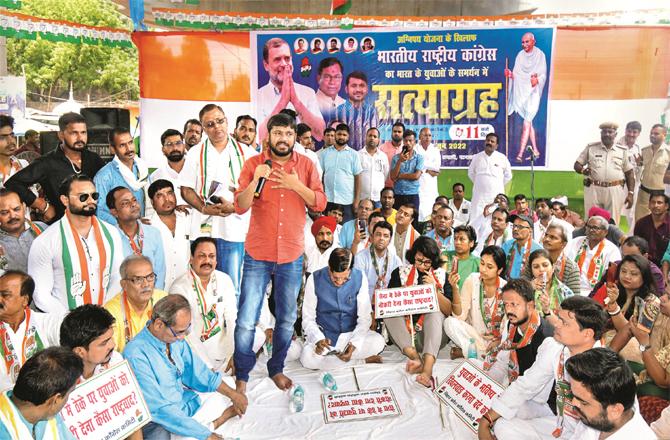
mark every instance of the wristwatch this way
{"type": "Point", "coordinates": [644, 348]}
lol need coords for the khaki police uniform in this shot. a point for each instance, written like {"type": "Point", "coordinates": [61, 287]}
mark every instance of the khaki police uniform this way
{"type": "Point", "coordinates": [654, 166]}
{"type": "Point", "coordinates": [605, 185]}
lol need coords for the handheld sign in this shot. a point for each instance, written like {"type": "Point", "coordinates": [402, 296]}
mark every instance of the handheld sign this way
{"type": "Point", "coordinates": [402, 301]}
{"type": "Point", "coordinates": [359, 405]}
{"type": "Point", "coordinates": [108, 406]}
{"type": "Point", "coordinates": [468, 391]}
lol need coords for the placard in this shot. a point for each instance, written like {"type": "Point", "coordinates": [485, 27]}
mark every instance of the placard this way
{"type": "Point", "coordinates": [402, 301]}
{"type": "Point", "coordinates": [468, 391]}
{"type": "Point", "coordinates": [108, 406]}
{"type": "Point", "coordinates": [359, 405]}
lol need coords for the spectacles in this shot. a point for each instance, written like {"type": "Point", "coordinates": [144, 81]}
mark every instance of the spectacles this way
{"type": "Point", "coordinates": [139, 280]}
{"type": "Point", "coordinates": [595, 227]}
{"type": "Point", "coordinates": [172, 144]}
{"type": "Point", "coordinates": [423, 261]}
{"type": "Point", "coordinates": [5, 137]}
{"type": "Point", "coordinates": [85, 196]}
{"type": "Point", "coordinates": [181, 332]}
{"type": "Point", "coordinates": [214, 123]}
{"type": "Point", "coordinates": [520, 227]}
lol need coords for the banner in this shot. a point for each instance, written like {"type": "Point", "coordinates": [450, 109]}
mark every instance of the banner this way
{"type": "Point", "coordinates": [13, 96]}
{"type": "Point", "coordinates": [359, 405]}
{"type": "Point", "coordinates": [108, 406]}
{"type": "Point", "coordinates": [401, 301]}
{"type": "Point", "coordinates": [452, 82]}
{"type": "Point", "coordinates": [468, 391]}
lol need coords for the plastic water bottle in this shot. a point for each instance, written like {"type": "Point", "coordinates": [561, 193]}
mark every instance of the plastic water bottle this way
{"type": "Point", "coordinates": [328, 381]}
{"type": "Point", "coordinates": [472, 349]}
{"type": "Point", "coordinates": [297, 400]}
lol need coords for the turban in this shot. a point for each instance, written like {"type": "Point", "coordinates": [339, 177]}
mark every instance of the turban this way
{"type": "Point", "coordinates": [596, 210]}
{"type": "Point", "coordinates": [327, 221]}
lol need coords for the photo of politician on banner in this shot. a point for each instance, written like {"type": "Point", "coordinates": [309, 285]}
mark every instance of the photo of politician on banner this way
{"type": "Point", "coordinates": [462, 84]}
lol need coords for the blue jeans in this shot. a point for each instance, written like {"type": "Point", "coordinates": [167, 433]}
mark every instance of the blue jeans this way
{"type": "Point", "coordinates": [229, 255]}
{"type": "Point", "coordinates": [287, 280]}
{"type": "Point", "coordinates": [154, 431]}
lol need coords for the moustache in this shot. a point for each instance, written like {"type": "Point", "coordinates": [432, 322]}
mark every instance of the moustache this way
{"type": "Point", "coordinates": [205, 265]}
{"type": "Point", "coordinates": [325, 242]}
{"type": "Point", "coordinates": [510, 315]}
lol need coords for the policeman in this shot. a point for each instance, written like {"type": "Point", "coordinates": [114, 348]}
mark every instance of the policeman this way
{"type": "Point", "coordinates": [606, 168]}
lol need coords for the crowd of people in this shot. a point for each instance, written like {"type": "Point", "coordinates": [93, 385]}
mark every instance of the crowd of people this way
{"type": "Point", "coordinates": [239, 247]}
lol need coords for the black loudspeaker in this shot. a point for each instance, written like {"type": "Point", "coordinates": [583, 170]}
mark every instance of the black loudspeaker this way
{"type": "Point", "coordinates": [48, 141]}
{"type": "Point", "coordinates": [98, 142]}
{"type": "Point", "coordinates": [106, 117]}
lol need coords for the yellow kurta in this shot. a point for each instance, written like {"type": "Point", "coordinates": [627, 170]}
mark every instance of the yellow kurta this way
{"type": "Point", "coordinates": [137, 319]}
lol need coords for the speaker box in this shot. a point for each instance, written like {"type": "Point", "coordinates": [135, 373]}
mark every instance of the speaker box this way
{"type": "Point", "coordinates": [106, 117]}
{"type": "Point", "coordinates": [97, 142]}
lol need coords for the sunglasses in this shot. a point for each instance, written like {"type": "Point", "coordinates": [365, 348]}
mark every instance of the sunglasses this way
{"type": "Point", "coordinates": [83, 197]}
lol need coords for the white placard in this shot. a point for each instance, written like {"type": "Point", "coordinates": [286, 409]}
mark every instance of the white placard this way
{"type": "Point", "coordinates": [359, 405]}
{"type": "Point", "coordinates": [402, 301]}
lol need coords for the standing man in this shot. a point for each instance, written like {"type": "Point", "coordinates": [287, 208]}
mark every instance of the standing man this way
{"type": "Point", "coordinates": [131, 308]}
{"type": "Point", "coordinates": [432, 161]}
{"type": "Point", "coordinates": [629, 141]}
{"type": "Point", "coordinates": [606, 169]}
{"type": "Point", "coordinates": [32, 143]}
{"type": "Point", "coordinates": [489, 172]}
{"type": "Point", "coordinates": [174, 228]}
{"type": "Point", "coordinates": [9, 164]}
{"type": "Point", "coordinates": [76, 260]}
{"type": "Point", "coordinates": [305, 138]}
{"type": "Point", "coordinates": [655, 162]}
{"type": "Point", "coordinates": [375, 168]}
{"type": "Point", "coordinates": [342, 173]}
{"type": "Point", "coordinates": [592, 253]}
{"type": "Point", "coordinates": [655, 227]}
{"type": "Point", "coordinates": [358, 114]}
{"type": "Point", "coordinates": [209, 178]}
{"type": "Point", "coordinates": [394, 146]}
{"type": "Point", "coordinates": [329, 78]}
{"type": "Point", "coordinates": [245, 131]}
{"type": "Point", "coordinates": [17, 233]}
{"type": "Point", "coordinates": [71, 157]}
{"type": "Point", "coordinates": [137, 238]}
{"type": "Point", "coordinates": [192, 133]}
{"type": "Point", "coordinates": [406, 170]}
{"type": "Point", "coordinates": [520, 246]}
{"type": "Point", "coordinates": [279, 212]}
{"type": "Point", "coordinates": [124, 170]}
{"type": "Point", "coordinates": [379, 260]}
{"type": "Point", "coordinates": [281, 92]}
{"type": "Point", "coordinates": [328, 140]}
{"type": "Point", "coordinates": [174, 151]}
{"type": "Point", "coordinates": [459, 205]}
{"type": "Point", "coordinates": [525, 90]}
{"type": "Point", "coordinates": [24, 332]}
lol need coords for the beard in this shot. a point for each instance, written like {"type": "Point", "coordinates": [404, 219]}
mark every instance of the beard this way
{"type": "Point", "coordinates": [520, 321]}
{"type": "Point", "coordinates": [396, 138]}
{"type": "Point", "coordinates": [324, 244]}
{"type": "Point", "coordinates": [281, 153]}
{"type": "Point", "coordinates": [85, 211]}
{"type": "Point", "coordinates": [341, 142]}
{"type": "Point", "coordinates": [175, 156]}
{"type": "Point", "coordinates": [599, 423]}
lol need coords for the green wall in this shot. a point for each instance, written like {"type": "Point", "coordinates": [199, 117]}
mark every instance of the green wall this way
{"type": "Point", "coordinates": [547, 184]}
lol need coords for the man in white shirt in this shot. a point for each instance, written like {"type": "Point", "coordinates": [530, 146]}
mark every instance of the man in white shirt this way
{"type": "Point", "coordinates": [174, 228]}
{"type": "Point", "coordinates": [545, 218]}
{"type": "Point", "coordinates": [88, 331]}
{"type": "Point", "coordinates": [76, 260]}
{"type": "Point", "coordinates": [498, 232]}
{"type": "Point", "coordinates": [341, 323]}
{"type": "Point", "coordinates": [489, 172]}
{"type": "Point", "coordinates": [379, 260]}
{"type": "Point", "coordinates": [174, 150]}
{"type": "Point", "coordinates": [209, 179]}
{"type": "Point", "coordinates": [603, 389]}
{"type": "Point", "coordinates": [23, 332]}
{"type": "Point", "coordinates": [245, 131]}
{"type": "Point", "coordinates": [432, 161]}
{"type": "Point", "coordinates": [629, 140]}
{"type": "Point", "coordinates": [375, 167]}
{"type": "Point", "coordinates": [404, 233]}
{"type": "Point", "coordinates": [316, 257]}
{"type": "Point", "coordinates": [521, 410]}
{"type": "Point", "coordinates": [281, 92]}
{"type": "Point", "coordinates": [459, 204]}
{"type": "Point", "coordinates": [592, 253]}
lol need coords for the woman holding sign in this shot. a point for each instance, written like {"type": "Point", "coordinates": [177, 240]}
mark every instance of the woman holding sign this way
{"type": "Point", "coordinates": [414, 333]}
{"type": "Point", "coordinates": [481, 303]}
{"type": "Point", "coordinates": [549, 290]}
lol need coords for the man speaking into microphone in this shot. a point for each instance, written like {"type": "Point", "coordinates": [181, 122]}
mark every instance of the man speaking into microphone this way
{"type": "Point", "coordinates": [275, 243]}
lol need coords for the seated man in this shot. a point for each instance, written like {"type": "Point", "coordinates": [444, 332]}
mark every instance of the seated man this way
{"type": "Point", "coordinates": [603, 390]}
{"type": "Point", "coordinates": [521, 411]}
{"type": "Point", "coordinates": [379, 260]}
{"type": "Point", "coordinates": [131, 308]}
{"type": "Point", "coordinates": [317, 256]}
{"type": "Point", "coordinates": [171, 375]}
{"type": "Point", "coordinates": [88, 331]}
{"type": "Point", "coordinates": [336, 313]}
{"type": "Point", "coordinates": [211, 295]}
{"type": "Point", "coordinates": [518, 249]}
{"type": "Point", "coordinates": [23, 332]}
{"type": "Point", "coordinates": [31, 409]}
{"type": "Point", "coordinates": [17, 232]}
{"type": "Point", "coordinates": [521, 337]}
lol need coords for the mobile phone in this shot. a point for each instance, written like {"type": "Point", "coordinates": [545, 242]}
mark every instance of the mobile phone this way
{"type": "Point", "coordinates": [362, 227]}
{"type": "Point", "coordinates": [405, 149]}
{"type": "Point", "coordinates": [213, 200]}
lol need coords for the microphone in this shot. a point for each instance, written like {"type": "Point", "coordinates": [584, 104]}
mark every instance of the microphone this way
{"type": "Point", "coordinates": [261, 182]}
{"type": "Point", "coordinates": [529, 148]}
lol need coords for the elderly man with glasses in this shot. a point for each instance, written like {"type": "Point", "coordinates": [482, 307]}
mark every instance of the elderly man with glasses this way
{"type": "Point", "coordinates": [76, 260]}
{"type": "Point", "coordinates": [132, 306]}
{"type": "Point", "coordinates": [520, 246]}
{"type": "Point", "coordinates": [184, 396]}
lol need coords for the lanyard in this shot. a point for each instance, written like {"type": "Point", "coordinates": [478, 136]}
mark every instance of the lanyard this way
{"type": "Point", "coordinates": [488, 312]}
{"type": "Point", "coordinates": [136, 247]}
